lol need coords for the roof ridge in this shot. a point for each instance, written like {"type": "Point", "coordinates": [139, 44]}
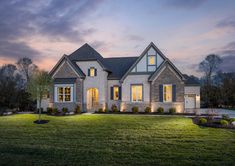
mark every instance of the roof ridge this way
{"type": "Point", "coordinates": [121, 57]}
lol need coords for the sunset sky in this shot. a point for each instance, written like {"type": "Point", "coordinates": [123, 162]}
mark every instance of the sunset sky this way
{"type": "Point", "coordinates": [184, 30]}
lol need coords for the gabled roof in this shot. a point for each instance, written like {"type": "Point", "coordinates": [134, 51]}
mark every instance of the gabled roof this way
{"type": "Point", "coordinates": [191, 80]}
{"type": "Point", "coordinates": [141, 56]}
{"type": "Point", "coordinates": [72, 64]}
{"type": "Point", "coordinates": [166, 62]}
{"type": "Point", "coordinates": [118, 66]}
{"type": "Point", "coordinates": [87, 53]}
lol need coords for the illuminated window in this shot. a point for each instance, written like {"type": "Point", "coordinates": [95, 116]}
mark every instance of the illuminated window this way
{"type": "Point", "coordinates": [167, 93]}
{"type": "Point", "coordinates": [151, 60]}
{"type": "Point", "coordinates": [137, 93]}
{"type": "Point", "coordinates": [92, 72]}
{"type": "Point", "coordinates": [115, 93]}
{"type": "Point", "coordinates": [64, 94]}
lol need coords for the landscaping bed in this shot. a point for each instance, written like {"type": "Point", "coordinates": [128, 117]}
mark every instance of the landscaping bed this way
{"type": "Point", "coordinates": [215, 122]}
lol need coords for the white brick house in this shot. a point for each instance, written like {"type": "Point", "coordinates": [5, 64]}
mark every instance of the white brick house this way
{"type": "Point", "coordinates": [87, 79]}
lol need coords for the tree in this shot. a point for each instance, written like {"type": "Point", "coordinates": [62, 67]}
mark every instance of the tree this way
{"type": "Point", "coordinates": [209, 66]}
{"type": "Point", "coordinates": [38, 86]}
{"type": "Point", "coordinates": [9, 81]}
{"type": "Point", "coordinates": [26, 67]}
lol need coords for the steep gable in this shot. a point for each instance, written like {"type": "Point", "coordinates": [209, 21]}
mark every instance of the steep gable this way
{"type": "Point", "coordinates": [65, 69]}
{"type": "Point", "coordinates": [142, 64]}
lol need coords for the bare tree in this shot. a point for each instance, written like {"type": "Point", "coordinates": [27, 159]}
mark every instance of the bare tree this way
{"type": "Point", "coordinates": [26, 67]}
{"type": "Point", "coordinates": [38, 86]}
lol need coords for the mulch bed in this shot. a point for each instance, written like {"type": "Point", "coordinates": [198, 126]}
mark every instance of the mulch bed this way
{"type": "Point", "coordinates": [144, 113]}
{"type": "Point", "coordinates": [214, 123]}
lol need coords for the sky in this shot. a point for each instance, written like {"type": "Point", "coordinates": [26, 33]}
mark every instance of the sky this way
{"type": "Point", "coordinates": [184, 30]}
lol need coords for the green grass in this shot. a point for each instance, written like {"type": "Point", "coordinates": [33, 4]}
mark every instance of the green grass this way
{"type": "Point", "coordinates": [113, 140]}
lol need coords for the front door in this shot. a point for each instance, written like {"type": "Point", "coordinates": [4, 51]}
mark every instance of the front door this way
{"type": "Point", "coordinates": [92, 99]}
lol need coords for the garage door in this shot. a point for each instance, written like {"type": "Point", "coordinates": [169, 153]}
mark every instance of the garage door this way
{"type": "Point", "coordinates": [190, 101]}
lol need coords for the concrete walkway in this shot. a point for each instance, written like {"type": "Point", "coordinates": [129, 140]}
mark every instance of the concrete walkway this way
{"type": "Point", "coordinates": [220, 112]}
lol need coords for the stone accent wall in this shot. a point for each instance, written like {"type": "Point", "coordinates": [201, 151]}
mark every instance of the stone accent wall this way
{"type": "Point", "coordinates": [65, 71]}
{"type": "Point", "coordinates": [167, 76]}
{"type": "Point", "coordinates": [79, 92]}
{"type": "Point", "coordinates": [127, 106]}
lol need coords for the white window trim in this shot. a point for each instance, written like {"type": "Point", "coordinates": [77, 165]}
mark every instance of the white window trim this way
{"type": "Point", "coordinates": [56, 86]}
{"type": "Point", "coordinates": [115, 86]}
{"type": "Point", "coordinates": [148, 59]}
{"type": "Point", "coordinates": [163, 93]}
{"type": "Point", "coordinates": [136, 94]}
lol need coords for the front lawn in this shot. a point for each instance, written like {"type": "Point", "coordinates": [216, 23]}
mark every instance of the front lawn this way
{"type": "Point", "coordinates": [113, 140]}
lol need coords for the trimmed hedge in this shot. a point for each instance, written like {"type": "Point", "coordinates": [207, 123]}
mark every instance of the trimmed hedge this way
{"type": "Point", "coordinates": [160, 110]}
{"type": "Point", "coordinates": [135, 109]}
{"type": "Point", "coordinates": [172, 110]}
{"type": "Point", "coordinates": [202, 120]}
{"type": "Point", "coordinates": [147, 110]}
{"type": "Point", "coordinates": [224, 122]}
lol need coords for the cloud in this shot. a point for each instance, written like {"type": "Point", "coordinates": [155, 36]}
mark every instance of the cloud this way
{"type": "Point", "coordinates": [228, 63]}
{"type": "Point", "coordinates": [228, 49]}
{"type": "Point", "coordinates": [15, 50]}
{"type": "Point", "coordinates": [185, 4]}
{"type": "Point", "coordinates": [227, 22]}
{"type": "Point", "coordinates": [57, 20]}
{"type": "Point", "coordinates": [135, 38]}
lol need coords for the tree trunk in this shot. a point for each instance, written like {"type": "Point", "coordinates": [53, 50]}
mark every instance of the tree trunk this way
{"type": "Point", "coordinates": [39, 113]}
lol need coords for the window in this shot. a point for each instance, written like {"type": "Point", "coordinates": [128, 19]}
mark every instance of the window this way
{"type": "Point", "coordinates": [115, 93]}
{"type": "Point", "coordinates": [167, 93]}
{"type": "Point", "coordinates": [151, 60]}
{"type": "Point", "coordinates": [137, 93]}
{"type": "Point", "coordinates": [64, 94]}
{"type": "Point", "coordinates": [92, 72]}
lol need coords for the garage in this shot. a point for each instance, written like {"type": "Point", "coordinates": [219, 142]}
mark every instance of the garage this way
{"type": "Point", "coordinates": [190, 101]}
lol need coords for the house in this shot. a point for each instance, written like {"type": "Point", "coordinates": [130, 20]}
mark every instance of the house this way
{"type": "Point", "coordinates": [86, 79]}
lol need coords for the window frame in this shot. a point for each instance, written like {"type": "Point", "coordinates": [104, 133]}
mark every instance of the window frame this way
{"type": "Point", "coordinates": [92, 68]}
{"type": "Point", "coordinates": [163, 91]}
{"type": "Point", "coordinates": [155, 60]}
{"type": "Point", "coordinates": [131, 96]}
{"type": "Point", "coordinates": [114, 98]}
{"type": "Point", "coordinates": [63, 86]}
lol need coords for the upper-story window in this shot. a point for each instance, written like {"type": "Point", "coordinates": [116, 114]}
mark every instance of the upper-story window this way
{"type": "Point", "coordinates": [92, 72]}
{"type": "Point", "coordinates": [151, 60]}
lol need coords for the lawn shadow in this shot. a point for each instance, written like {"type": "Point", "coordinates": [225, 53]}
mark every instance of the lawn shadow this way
{"type": "Point", "coordinates": [41, 121]}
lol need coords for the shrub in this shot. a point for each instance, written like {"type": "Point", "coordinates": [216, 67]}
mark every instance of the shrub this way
{"type": "Point", "coordinates": [224, 122]}
{"type": "Point", "coordinates": [232, 120]}
{"type": "Point", "coordinates": [225, 116]}
{"type": "Point", "coordinates": [77, 110]}
{"type": "Point", "coordinates": [160, 110]}
{"type": "Point", "coordinates": [100, 110]}
{"type": "Point", "coordinates": [54, 110]}
{"type": "Point", "coordinates": [202, 120]}
{"type": "Point", "coordinates": [147, 110]}
{"type": "Point", "coordinates": [49, 110]}
{"type": "Point", "coordinates": [64, 110]}
{"type": "Point", "coordinates": [172, 110]}
{"type": "Point", "coordinates": [114, 108]}
{"type": "Point", "coordinates": [135, 109]}
{"type": "Point", "coordinates": [106, 110]}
